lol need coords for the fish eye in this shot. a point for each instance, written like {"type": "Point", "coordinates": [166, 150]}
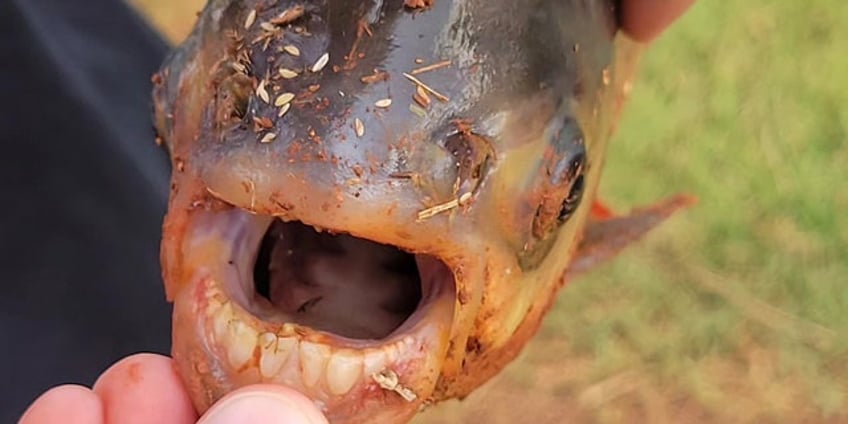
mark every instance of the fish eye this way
{"type": "Point", "coordinates": [575, 191]}
{"type": "Point", "coordinates": [559, 192]}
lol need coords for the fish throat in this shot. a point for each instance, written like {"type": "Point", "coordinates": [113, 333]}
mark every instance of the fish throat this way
{"type": "Point", "coordinates": [348, 286]}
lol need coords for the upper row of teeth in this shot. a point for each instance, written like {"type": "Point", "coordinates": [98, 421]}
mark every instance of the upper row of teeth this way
{"type": "Point", "coordinates": [318, 368]}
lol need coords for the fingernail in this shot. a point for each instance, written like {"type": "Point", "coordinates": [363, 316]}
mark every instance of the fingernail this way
{"type": "Point", "coordinates": [260, 408]}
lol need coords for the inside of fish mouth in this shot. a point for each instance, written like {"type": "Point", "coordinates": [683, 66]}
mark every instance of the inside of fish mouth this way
{"type": "Point", "coordinates": [333, 282]}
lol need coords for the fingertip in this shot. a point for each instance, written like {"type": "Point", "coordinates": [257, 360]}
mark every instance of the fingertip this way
{"type": "Point", "coordinates": [144, 388]}
{"type": "Point", "coordinates": [264, 404]}
{"type": "Point", "coordinates": [65, 404]}
{"type": "Point", "coordinates": [644, 20]}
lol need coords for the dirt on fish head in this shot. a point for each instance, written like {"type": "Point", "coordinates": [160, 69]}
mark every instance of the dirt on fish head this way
{"type": "Point", "coordinates": [375, 203]}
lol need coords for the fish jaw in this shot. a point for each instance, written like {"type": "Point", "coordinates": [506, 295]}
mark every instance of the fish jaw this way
{"type": "Point", "coordinates": [220, 344]}
{"type": "Point", "coordinates": [487, 265]}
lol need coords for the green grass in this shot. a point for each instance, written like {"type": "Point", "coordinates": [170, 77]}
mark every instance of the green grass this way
{"type": "Point", "coordinates": [736, 310]}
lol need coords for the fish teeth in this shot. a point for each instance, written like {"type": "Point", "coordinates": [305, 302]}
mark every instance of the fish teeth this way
{"type": "Point", "coordinates": [318, 368]}
{"type": "Point", "coordinates": [241, 340]}
{"type": "Point", "coordinates": [343, 370]}
{"type": "Point", "coordinates": [373, 362]}
{"type": "Point", "coordinates": [274, 353]}
{"type": "Point", "coordinates": [221, 322]}
{"type": "Point", "coordinates": [313, 358]}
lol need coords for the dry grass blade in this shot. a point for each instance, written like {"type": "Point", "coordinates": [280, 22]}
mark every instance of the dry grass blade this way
{"type": "Point", "coordinates": [435, 93]}
{"type": "Point", "coordinates": [389, 380]}
{"type": "Point", "coordinates": [433, 67]}
{"type": "Point", "coordinates": [435, 210]}
{"type": "Point", "coordinates": [753, 308]}
{"type": "Point", "coordinates": [603, 392]}
{"type": "Point", "coordinates": [289, 15]}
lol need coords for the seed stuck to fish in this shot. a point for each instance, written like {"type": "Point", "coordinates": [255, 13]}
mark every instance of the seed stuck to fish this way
{"type": "Point", "coordinates": [383, 103]}
{"type": "Point", "coordinates": [269, 27]}
{"type": "Point", "coordinates": [287, 73]}
{"type": "Point", "coordinates": [389, 380]}
{"type": "Point", "coordinates": [359, 127]}
{"type": "Point", "coordinates": [283, 99]}
{"type": "Point", "coordinates": [268, 138]}
{"type": "Point", "coordinates": [262, 92]}
{"type": "Point", "coordinates": [251, 18]}
{"type": "Point", "coordinates": [292, 50]}
{"type": "Point", "coordinates": [284, 109]}
{"type": "Point", "coordinates": [321, 62]}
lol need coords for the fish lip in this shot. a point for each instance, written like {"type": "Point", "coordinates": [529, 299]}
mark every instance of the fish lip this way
{"type": "Point", "coordinates": [217, 241]}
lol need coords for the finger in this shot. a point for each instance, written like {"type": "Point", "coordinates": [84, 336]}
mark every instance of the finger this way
{"type": "Point", "coordinates": [144, 389]}
{"type": "Point", "coordinates": [65, 404]}
{"type": "Point", "coordinates": [644, 20]}
{"type": "Point", "coordinates": [264, 404]}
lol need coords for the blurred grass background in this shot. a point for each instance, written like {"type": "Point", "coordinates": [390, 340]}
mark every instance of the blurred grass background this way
{"type": "Point", "coordinates": [737, 310]}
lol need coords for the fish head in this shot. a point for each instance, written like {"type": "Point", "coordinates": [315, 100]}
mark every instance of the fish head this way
{"type": "Point", "coordinates": [372, 202]}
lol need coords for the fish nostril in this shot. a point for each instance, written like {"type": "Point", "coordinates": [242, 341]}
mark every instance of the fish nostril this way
{"type": "Point", "coordinates": [473, 154]}
{"type": "Point", "coordinates": [232, 99]}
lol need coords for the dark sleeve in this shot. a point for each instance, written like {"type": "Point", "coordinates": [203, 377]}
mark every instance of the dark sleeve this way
{"type": "Point", "coordinates": [84, 190]}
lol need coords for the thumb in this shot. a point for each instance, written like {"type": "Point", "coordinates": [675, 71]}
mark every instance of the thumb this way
{"type": "Point", "coordinates": [264, 404]}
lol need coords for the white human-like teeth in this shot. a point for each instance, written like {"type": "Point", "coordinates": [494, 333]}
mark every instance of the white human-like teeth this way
{"type": "Point", "coordinates": [274, 353]}
{"type": "Point", "coordinates": [221, 321]}
{"type": "Point", "coordinates": [316, 368]}
{"type": "Point", "coordinates": [343, 370]}
{"type": "Point", "coordinates": [313, 358]}
{"type": "Point", "coordinates": [242, 343]}
{"type": "Point", "coordinates": [373, 361]}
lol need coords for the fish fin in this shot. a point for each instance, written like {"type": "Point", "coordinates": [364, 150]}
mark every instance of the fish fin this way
{"type": "Point", "coordinates": [601, 211]}
{"type": "Point", "coordinates": [604, 238]}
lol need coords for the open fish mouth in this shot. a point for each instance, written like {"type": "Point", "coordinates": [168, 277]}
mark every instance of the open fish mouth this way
{"type": "Point", "coordinates": [345, 320]}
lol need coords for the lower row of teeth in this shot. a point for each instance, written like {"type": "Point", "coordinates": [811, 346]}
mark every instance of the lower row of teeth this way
{"type": "Point", "coordinates": [319, 368]}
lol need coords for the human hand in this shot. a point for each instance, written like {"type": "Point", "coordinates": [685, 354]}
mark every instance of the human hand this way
{"type": "Point", "coordinates": [644, 20]}
{"type": "Point", "coordinates": [145, 389]}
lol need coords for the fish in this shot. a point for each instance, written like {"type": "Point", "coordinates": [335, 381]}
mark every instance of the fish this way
{"type": "Point", "coordinates": [375, 203]}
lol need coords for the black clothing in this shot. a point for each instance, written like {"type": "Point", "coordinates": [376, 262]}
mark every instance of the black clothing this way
{"type": "Point", "coordinates": [84, 188]}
